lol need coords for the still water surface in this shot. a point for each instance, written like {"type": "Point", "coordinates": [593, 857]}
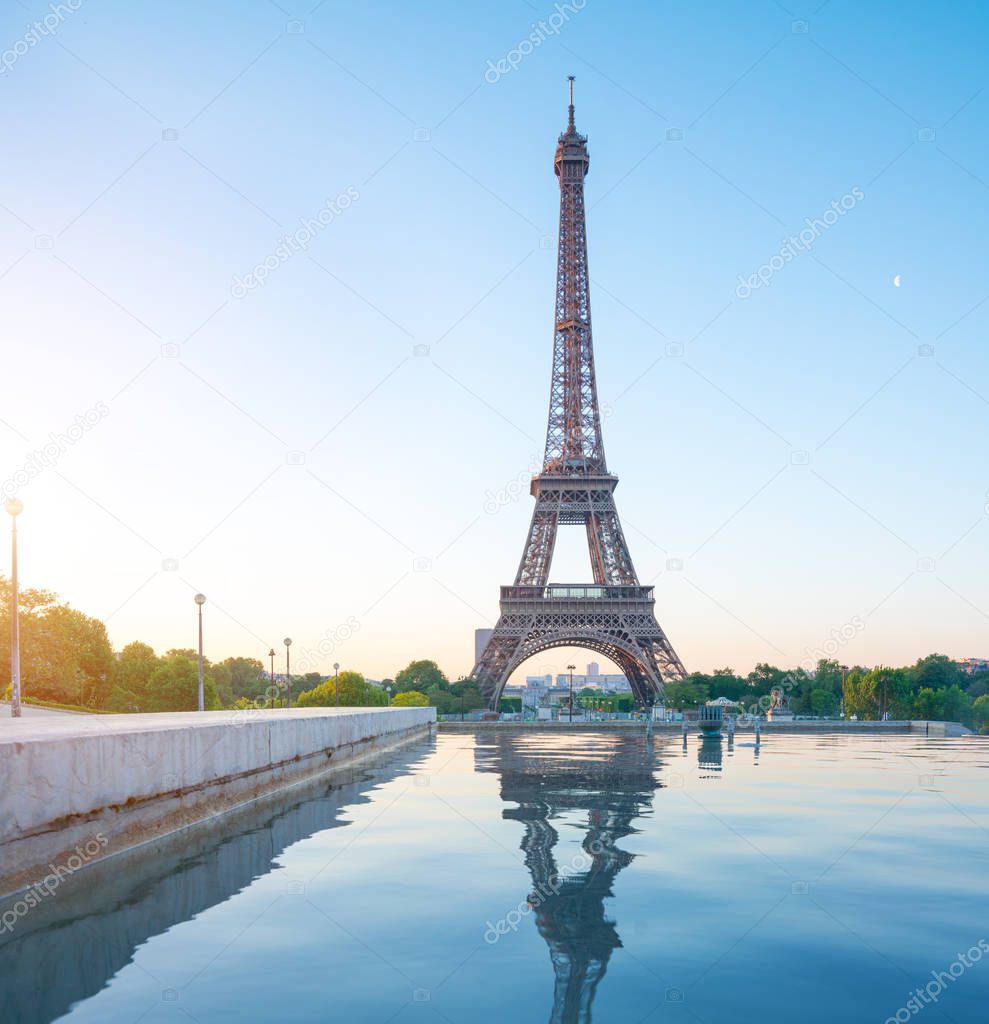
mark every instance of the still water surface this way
{"type": "Point", "coordinates": [546, 876]}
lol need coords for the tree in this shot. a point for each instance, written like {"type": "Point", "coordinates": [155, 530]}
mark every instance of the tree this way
{"type": "Point", "coordinates": [858, 696]}
{"type": "Point", "coordinates": [421, 676]}
{"type": "Point", "coordinates": [822, 702]}
{"type": "Point", "coordinates": [136, 664]}
{"type": "Point", "coordinates": [980, 713]}
{"type": "Point", "coordinates": [927, 704]}
{"type": "Point", "coordinates": [246, 677]}
{"type": "Point", "coordinates": [410, 699]}
{"type": "Point", "coordinates": [65, 656]}
{"type": "Point", "coordinates": [355, 692]}
{"type": "Point", "coordinates": [174, 685]}
{"type": "Point", "coordinates": [936, 672]}
{"type": "Point", "coordinates": [956, 705]}
{"type": "Point", "coordinates": [685, 694]}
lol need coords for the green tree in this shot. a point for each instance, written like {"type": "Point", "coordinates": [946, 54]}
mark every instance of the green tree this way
{"type": "Point", "coordinates": [174, 685]}
{"type": "Point", "coordinates": [136, 664]}
{"type": "Point", "coordinates": [685, 694]}
{"type": "Point", "coordinates": [355, 692]}
{"type": "Point", "coordinates": [936, 672]}
{"type": "Point", "coordinates": [859, 696]}
{"type": "Point", "coordinates": [822, 702]}
{"type": "Point", "coordinates": [410, 699]}
{"type": "Point", "coordinates": [65, 657]}
{"type": "Point", "coordinates": [420, 676]}
{"type": "Point", "coordinates": [980, 713]}
{"type": "Point", "coordinates": [956, 705]}
{"type": "Point", "coordinates": [240, 677]}
{"type": "Point", "coordinates": [927, 704]}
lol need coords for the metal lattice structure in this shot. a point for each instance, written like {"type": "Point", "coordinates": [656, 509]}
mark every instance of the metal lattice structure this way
{"type": "Point", "coordinates": [616, 615]}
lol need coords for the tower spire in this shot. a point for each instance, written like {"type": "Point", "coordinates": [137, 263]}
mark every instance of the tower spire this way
{"type": "Point", "coordinates": [570, 125]}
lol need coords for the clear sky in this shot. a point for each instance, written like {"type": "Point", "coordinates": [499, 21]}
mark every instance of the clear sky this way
{"type": "Point", "coordinates": [349, 443]}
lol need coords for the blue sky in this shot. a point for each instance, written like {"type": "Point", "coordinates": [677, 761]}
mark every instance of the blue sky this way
{"type": "Point", "coordinates": [328, 448]}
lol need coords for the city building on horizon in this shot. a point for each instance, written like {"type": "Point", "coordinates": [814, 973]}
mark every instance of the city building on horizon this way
{"type": "Point", "coordinates": [481, 638]}
{"type": "Point", "coordinates": [972, 665]}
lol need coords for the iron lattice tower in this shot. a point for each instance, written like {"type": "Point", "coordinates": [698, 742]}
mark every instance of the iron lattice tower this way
{"type": "Point", "coordinates": [614, 616]}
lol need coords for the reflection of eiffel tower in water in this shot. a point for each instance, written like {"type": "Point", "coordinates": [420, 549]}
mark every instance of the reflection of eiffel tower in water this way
{"type": "Point", "coordinates": [601, 793]}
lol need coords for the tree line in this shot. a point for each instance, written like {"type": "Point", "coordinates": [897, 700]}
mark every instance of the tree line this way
{"type": "Point", "coordinates": [67, 659]}
{"type": "Point", "coordinates": [934, 688]}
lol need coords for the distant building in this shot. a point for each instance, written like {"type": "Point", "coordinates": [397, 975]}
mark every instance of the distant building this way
{"type": "Point", "coordinates": [615, 683]}
{"type": "Point", "coordinates": [972, 665]}
{"type": "Point", "coordinates": [593, 669]}
{"type": "Point", "coordinates": [481, 638]}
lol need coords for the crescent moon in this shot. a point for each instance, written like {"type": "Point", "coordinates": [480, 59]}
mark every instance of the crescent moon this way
{"type": "Point", "coordinates": [896, 281]}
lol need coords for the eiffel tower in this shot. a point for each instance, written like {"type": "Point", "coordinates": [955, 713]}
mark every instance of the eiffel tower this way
{"type": "Point", "coordinates": [615, 615]}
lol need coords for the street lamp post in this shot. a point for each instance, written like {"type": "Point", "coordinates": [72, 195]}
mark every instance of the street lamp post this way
{"type": "Point", "coordinates": [388, 688]}
{"type": "Point", "coordinates": [14, 508]}
{"type": "Point", "coordinates": [271, 689]}
{"type": "Point", "coordinates": [336, 681]}
{"type": "Point", "coordinates": [288, 674]}
{"type": "Point", "coordinates": [571, 668]}
{"type": "Point", "coordinates": [201, 600]}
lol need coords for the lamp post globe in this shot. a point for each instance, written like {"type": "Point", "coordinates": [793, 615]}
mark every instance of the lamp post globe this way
{"type": "Point", "coordinates": [14, 507]}
{"type": "Point", "coordinates": [200, 600]}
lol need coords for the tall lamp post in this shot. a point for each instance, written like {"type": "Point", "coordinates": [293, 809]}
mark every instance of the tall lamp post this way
{"type": "Point", "coordinates": [388, 688]}
{"type": "Point", "coordinates": [201, 600]}
{"type": "Point", "coordinates": [288, 674]}
{"type": "Point", "coordinates": [271, 689]}
{"type": "Point", "coordinates": [14, 508]}
{"type": "Point", "coordinates": [336, 680]}
{"type": "Point", "coordinates": [570, 668]}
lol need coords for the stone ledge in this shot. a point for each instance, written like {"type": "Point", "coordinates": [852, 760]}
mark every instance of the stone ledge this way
{"type": "Point", "coordinates": [116, 781]}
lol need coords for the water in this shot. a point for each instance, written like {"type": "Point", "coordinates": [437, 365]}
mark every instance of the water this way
{"type": "Point", "coordinates": [547, 876]}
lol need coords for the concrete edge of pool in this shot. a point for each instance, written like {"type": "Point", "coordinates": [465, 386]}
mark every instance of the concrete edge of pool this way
{"type": "Point", "coordinates": [925, 728]}
{"type": "Point", "coordinates": [76, 790]}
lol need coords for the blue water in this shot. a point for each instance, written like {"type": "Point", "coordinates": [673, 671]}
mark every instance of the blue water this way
{"type": "Point", "coordinates": [547, 876]}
